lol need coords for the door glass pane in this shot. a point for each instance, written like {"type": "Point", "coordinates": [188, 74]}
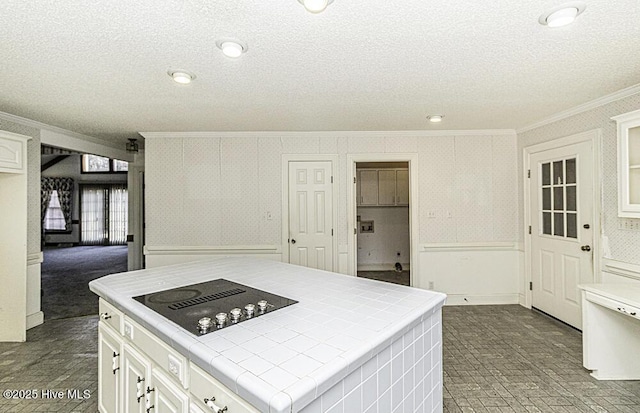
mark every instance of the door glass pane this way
{"type": "Point", "coordinates": [546, 223]}
{"type": "Point", "coordinates": [572, 225]}
{"type": "Point", "coordinates": [546, 198]}
{"type": "Point", "coordinates": [558, 224]}
{"type": "Point", "coordinates": [557, 173]}
{"type": "Point", "coordinates": [558, 201]}
{"type": "Point", "coordinates": [570, 166]}
{"type": "Point", "coordinates": [546, 174]}
{"type": "Point", "coordinates": [571, 198]}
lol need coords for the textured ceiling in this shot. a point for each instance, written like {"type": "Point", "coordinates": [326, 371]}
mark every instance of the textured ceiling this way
{"type": "Point", "coordinates": [100, 67]}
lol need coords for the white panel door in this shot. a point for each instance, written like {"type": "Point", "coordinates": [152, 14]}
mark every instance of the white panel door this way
{"type": "Point", "coordinates": [386, 187]}
{"type": "Point", "coordinates": [368, 187]}
{"type": "Point", "coordinates": [561, 194]}
{"type": "Point", "coordinates": [136, 376]}
{"type": "Point", "coordinates": [311, 215]}
{"type": "Point", "coordinates": [109, 348]}
{"type": "Point", "coordinates": [165, 396]}
{"type": "Point", "coordinates": [402, 187]}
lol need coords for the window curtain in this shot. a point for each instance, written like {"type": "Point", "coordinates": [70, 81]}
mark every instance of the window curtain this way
{"type": "Point", "coordinates": [64, 186]}
{"type": "Point", "coordinates": [104, 214]}
{"type": "Point", "coordinates": [118, 214]}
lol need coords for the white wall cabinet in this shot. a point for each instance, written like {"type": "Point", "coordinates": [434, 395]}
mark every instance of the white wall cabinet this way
{"type": "Point", "coordinates": [629, 164]}
{"type": "Point", "coordinates": [139, 373]}
{"type": "Point", "coordinates": [13, 152]}
{"type": "Point", "coordinates": [382, 187]}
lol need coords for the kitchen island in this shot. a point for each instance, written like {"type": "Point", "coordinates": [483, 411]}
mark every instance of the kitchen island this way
{"type": "Point", "coordinates": [348, 345]}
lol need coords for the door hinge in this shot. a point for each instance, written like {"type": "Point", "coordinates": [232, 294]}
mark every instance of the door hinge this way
{"type": "Point", "coordinates": [355, 232]}
{"type": "Point", "coordinates": [332, 179]}
{"type": "Point", "coordinates": [530, 286]}
{"type": "Point", "coordinates": [332, 232]}
{"type": "Point", "coordinates": [354, 179]}
{"type": "Point", "coordinates": [529, 229]}
{"type": "Point", "coordinates": [529, 173]}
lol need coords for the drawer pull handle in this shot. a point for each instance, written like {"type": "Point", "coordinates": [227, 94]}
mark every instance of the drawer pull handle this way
{"type": "Point", "coordinates": [210, 404]}
{"type": "Point", "coordinates": [105, 316]}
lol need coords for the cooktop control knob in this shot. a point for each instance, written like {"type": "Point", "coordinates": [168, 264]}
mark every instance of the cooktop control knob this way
{"type": "Point", "coordinates": [221, 318]}
{"type": "Point", "coordinates": [204, 324]}
{"type": "Point", "coordinates": [249, 308]}
{"type": "Point", "coordinates": [262, 305]}
{"type": "Point", "coordinates": [235, 314]}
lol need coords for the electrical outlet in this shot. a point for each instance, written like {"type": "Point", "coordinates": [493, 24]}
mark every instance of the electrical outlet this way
{"type": "Point", "coordinates": [431, 214]}
{"type": "Point", "coordinates": [175, 367]}
{"type": "Point", "coordinates": [431, 285]}
{"type": "Point", "coordinates": [128, 330]}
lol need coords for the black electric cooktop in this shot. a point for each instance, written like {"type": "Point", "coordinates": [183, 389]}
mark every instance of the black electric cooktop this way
{"type": "Point", "coordinates": [212, 305]}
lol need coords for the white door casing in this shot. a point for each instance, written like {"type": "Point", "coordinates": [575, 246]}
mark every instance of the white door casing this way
{"type": "Point", "coordinates": [563, 241]}
{"type": "Point", "coordinates": [311, 214]}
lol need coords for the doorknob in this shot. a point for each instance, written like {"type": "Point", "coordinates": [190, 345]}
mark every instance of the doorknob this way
{"type": "Point", "coordinates": [585, 248]}
{"type": "Point", "coordinates": [293, 241]}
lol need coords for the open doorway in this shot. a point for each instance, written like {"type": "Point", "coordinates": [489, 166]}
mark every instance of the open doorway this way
{"type": "Point", "coordinates": [383, 231]}
{"type": "Point", "coordinates": [84, 228]}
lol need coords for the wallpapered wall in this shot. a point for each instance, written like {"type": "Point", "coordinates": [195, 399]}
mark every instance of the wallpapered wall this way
{"type": "Point", "coordinates": [217, 191]}
{"type": "Point", "coordinates": [623, 243]}
{"type": "Point", "coordinates": [33, 181]}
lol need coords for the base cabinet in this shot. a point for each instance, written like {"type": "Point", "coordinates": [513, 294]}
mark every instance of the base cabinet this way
{"type": "Point", "coordinates": [138, 373]}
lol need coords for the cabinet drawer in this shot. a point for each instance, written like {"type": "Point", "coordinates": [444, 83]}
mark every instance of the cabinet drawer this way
{"type": "Point", "coordinates": [204, 387]}
{"type": "Point", "coordinates": [110, 315]}
{"type": "Point", "coordinates": [614, 305]}
{"type": "Point", "coordinates": [164, 356]}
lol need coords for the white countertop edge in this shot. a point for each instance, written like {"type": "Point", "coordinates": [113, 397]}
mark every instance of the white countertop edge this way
{"type": "Point", "coordinates": [628, 293]}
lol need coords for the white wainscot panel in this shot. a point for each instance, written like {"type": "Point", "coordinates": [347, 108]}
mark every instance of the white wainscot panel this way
{"type": "Point", "coordinates": [35, 316]}
{"type": "Point", "coordinates": [471, 274]}
{"type": "Point", "coordinates": [158, 256]}
{"type": "Point", "coordinates": [620, 272]}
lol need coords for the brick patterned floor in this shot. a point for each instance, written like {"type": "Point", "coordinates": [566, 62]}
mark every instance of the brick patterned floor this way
{"type": "Point", "coordinates": [510, 359]}
{"type": "Point", "coordinates": [496, 359]}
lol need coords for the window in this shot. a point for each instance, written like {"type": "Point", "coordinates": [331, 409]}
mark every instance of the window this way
{"type": "Point", "coordinates": [104, 210]}
{"type": "Point", "coordinates": [100, 164]}
{"type": "Point", "coordinates": [54, 218]}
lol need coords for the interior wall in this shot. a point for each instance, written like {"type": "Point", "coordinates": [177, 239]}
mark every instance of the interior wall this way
{"type": "Point", "coordinates": [379, 250]}
{"type": "Point", "coordinates": [71, 168]}
{"type": "Point", "coordinates": [620, 246]}
{"type": "Point", "coordinates": [213, 193]}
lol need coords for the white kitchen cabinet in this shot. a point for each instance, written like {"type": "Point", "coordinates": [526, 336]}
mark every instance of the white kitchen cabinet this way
{"type": "Point", "coordinates": [109, 349]}
{"type": "Point", "coordinates": [165, 396]}
{"type": "Point", "coordinates": [629, 164]}
{"type": "Point", "coordinates": [139, 373]}
{"type": "Point", "coordinates": [383, 187]}
{"type": "Point", "coordinates": [136, 379]}
{"type": "Point", "coordinates": [13, 152]}
{"type": "Point", "coordinates": [368, 182]}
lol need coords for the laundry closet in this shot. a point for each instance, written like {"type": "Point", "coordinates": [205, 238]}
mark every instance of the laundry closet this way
{"type": "Point", "coordinates": [382, 197]}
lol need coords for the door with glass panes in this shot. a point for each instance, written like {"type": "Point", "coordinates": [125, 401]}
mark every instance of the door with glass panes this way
{"type": "Point", "coordinates": [561, 196]}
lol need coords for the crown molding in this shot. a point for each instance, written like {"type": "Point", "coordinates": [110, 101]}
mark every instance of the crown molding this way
{"type": "Point", "coordinates": [39, 125]}
{"type": "Point", "coordinates": [327, 134]}
{"type": "Point", "coordinates": [620, 94]}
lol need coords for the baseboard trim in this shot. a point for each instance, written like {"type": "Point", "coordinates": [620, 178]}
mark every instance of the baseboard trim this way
{"type": "Point", "coordinates": [472, 299]}
{"type": "Point", "coordinates": [35, 319]}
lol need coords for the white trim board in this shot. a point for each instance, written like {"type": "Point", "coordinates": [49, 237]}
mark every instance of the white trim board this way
{"type": "Point", "coordinates": [620, 94]}
{"type": "Point", "coordinates": [211, 250]}
{"type": "Point", "coordinates": [325, 134]}
{"type": "Point", "coordinates": [472, 299]}
{"type": "Point", "coordinates": [470, 246]}
{"type": "Point", "coordinates": [80, 144]}
{"type": "Point", "coordinates": [624, 269]}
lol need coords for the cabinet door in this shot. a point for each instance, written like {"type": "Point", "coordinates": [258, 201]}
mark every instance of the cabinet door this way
{"type": "Point", "coordinates": [386, 187]}
{"type": "Point", "coordinates": [109, 349]}
{"type": "Point", "coordinates": [136, 375]}
{"type": "Point", "coordinates": [402, 187]}
{"type": "Point", "coordinates": [368, 187]}
{"type": "Point", "coordinates": [166, 397]}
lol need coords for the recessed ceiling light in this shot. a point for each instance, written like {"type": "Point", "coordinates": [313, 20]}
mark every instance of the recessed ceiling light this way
{"type": "Point", "coordinates": [181, 76]}
{"type": "Point", "coordinates": [315, 6]}
{"type": "Point", "coordinates": [435, 118]}
{"type": "Point", "coordinates": [562, 15]}
{"type": "Point", "coordinates": [231, 47]}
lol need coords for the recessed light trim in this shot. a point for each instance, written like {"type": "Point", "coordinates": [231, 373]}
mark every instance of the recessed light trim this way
{"type": "Point", "coordinates": [562, 15]}
{"type": "Point", "coordinates": [231, 47]}
{"type": "Point", "coordinates": [435, 118]}
{"type": "Point", "coordinates": [315, 6]}
{"type": "Point", "coordinates": [181, 76]}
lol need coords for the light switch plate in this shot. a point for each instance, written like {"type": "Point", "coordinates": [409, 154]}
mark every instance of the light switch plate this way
{"type": "Point", "coordinates": [128, 330]}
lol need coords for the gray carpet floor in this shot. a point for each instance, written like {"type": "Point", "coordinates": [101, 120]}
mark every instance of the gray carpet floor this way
{"type": "Point", "coordinates": [66, 272]}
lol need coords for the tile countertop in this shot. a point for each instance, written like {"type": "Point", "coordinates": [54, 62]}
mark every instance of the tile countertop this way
{"type": "Point", "coordinates": [281, 361]}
